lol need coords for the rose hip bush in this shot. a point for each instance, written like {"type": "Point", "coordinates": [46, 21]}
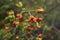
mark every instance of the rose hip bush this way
{"type": "Point", "coordinates": [25, 25]}
{"type": "Point", "coordinates": [28, 20]}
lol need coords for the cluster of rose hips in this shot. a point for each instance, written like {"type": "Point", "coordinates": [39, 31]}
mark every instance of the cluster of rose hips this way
{"type": "Point", "coordinates": [31, 19]}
